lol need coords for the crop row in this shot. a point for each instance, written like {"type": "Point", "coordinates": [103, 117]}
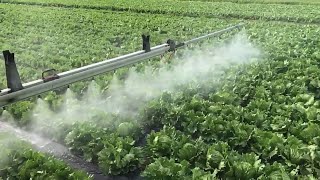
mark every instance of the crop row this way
{"type": "Point", "coordinates": [257, 112]}
{"type": "Point", "coordinates": [18, 161]}
{"type": "Point", "coordinates": [68, 47]}
{"type": "Point", "coordinates": [255, 124]}
{"type": "Point", "coordinates": [54, 36]}
{"type": "Point", "coordinates": [45, 38]}
{"type": "Point", "coordinates": [286, 13]}
{"type": "Point", "coordinates": [259, 122]}
{"type": "Point", "coordinates": [291, 2]}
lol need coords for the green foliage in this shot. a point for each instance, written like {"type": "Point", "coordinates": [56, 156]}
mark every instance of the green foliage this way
{"type": "Point", "coordinates": [18, 161]}
{"type": "Point", "coordinates": [84, 140]}
{"type": "Point", "coordinates": [257, 121]}
{"type": "Point", "coordinates": [172, 143]}
{"type": "Point", "coordinates": [251, 11]}
{"type": "Point", "coordinates": [119, 155]}
{"type": "Point", "coordinates": [128, 129]}
{"type": "Point", "coordinates": [164, 168]}
{"type": "Point", "coordinates": [21, 112]}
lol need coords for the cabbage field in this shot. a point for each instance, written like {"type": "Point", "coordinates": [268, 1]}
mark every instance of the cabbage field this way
{"type": "Point", "coordinates": [182, 118]}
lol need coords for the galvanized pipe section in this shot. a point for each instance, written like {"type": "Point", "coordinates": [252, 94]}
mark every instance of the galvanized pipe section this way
{"type": "Point", "coordinates": [51, 85]}
{"type": "Point", "coordinates": [39, 86]}
{"type": "Point", "coordinates": [84, 68]}
{"type": "Point", "coordinates": [217, 33]}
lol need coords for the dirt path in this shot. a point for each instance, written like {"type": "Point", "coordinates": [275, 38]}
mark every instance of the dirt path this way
{"type": "Point", "coordinates": [60, 152]}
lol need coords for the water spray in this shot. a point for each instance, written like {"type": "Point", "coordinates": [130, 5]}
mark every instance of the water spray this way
{"type": "Point", "coordinates": [50, 80]}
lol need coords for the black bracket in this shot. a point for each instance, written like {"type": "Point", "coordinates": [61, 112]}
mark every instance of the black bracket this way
{"type": "Point", "coordinates": [13, 78]}
{"type": "Point", "coordinates": [173, 45]}
{"type": "Point", "coordinates": [239, 27]}
{"type": "Point", "coordinates": [52, 75]}
{"type": "Point", "coordinates": [146, 43]}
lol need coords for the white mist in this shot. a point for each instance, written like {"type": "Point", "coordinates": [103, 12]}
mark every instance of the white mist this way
{"type": "Point", "coordinates": [126, 98]}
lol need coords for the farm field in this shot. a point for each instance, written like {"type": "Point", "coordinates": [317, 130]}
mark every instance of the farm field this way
{"type": "Point", "coordinates": [292, 2]}
{"type": "Point", "coordinates": [257, 120]}
{"type": "Point", "coordinates": [308, 13]}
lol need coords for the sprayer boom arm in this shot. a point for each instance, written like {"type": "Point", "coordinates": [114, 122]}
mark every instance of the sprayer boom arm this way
{"type": "Point", "coordinates": [17, 91]}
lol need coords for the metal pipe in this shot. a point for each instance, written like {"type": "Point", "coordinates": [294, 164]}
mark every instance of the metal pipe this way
{"type": "Point", "coordinates": [217, 33]}
{"type": "Point", "coordinates": [39, 86]}
{"type": "Point", "coordinates": [84, 68]}
{"type": "Point", "coordinates": [51, 85]}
